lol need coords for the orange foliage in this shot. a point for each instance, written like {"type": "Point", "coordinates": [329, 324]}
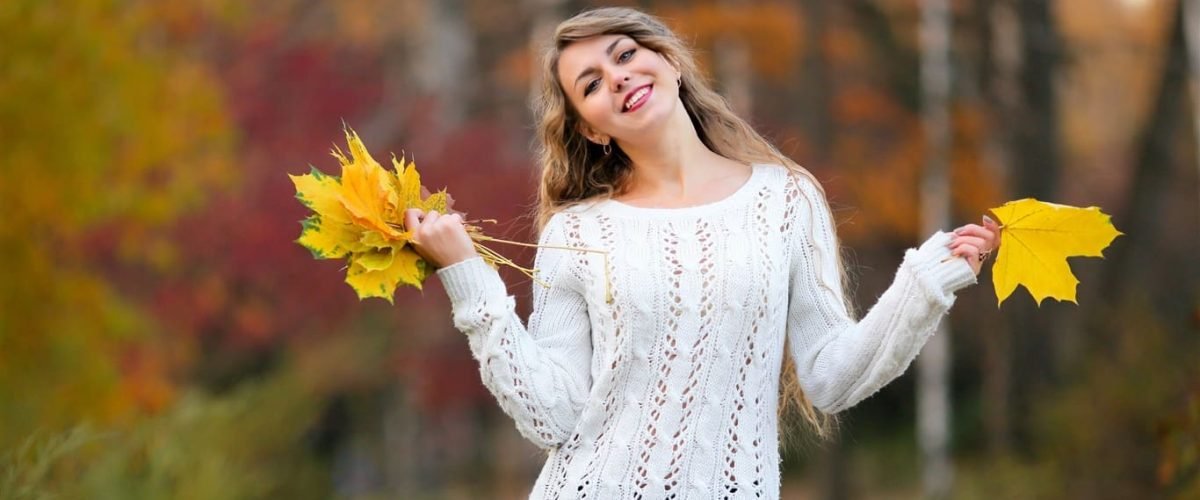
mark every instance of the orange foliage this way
{"type": "Point", "coordinates": [885, 159]}
{"type": "Point", "coordinates": [772, 31]}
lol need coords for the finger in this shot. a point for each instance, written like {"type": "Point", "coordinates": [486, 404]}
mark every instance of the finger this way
{"type": "Point", "coordinates": [971, 254]}
{"type": "Point", "coordinates": [968, 240]}
{"type": "Point", "coordinates": [451, 220]}
{"type": "Point", "coordinates": [971, 229]}
{"type": "Point", "coordinates": [968, 251]}
{"type": "Point", "coordinates": [994, 227]}
{"type": "Point", "coordinates": [430, 217]}
{"type": "Point", "coordinates": [412, 219]}
{"type": "Point", "coordinates": [958, 240]}
{"type": "Point", "coordinates": [987, 235]}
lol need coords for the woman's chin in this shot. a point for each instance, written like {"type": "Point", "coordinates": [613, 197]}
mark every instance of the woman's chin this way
{"type": "Point", "coordinates": [648, 120]}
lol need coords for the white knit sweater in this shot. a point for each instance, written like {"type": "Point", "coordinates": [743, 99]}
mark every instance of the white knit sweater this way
{"type": "Point", "coordinates": [670, 390]}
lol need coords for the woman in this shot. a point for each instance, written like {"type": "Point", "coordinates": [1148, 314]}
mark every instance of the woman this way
{"type": "Point", "coordinates": [656, 373]}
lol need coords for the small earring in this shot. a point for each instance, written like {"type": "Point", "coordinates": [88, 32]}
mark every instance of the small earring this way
{"type": "Point", "coordinates": [607, 149]}
{"type": "Point", "coordinates": [679, 81]}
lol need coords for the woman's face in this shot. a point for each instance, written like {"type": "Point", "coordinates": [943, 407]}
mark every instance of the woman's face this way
{"type": "Point", "coordinates": [620, 89]}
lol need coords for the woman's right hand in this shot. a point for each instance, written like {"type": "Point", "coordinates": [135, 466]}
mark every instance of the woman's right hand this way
{"type": "Point", "coordinates": [442, 240]}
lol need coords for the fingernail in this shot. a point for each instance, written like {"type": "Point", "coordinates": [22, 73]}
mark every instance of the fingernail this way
{"type": "Point", "coordinates": [988, 220]}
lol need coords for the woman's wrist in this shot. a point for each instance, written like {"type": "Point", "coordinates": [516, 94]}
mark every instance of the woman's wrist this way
{"type": "Point", "coordinates": [934, 263]}
{"type": "Point", "coordinates": [444, 261]}
{"type": "Point", "coordinates": [471, 279]}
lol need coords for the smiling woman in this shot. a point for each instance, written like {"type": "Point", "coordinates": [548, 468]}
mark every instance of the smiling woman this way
{"type": "Point", "coordinates": [726, 286]}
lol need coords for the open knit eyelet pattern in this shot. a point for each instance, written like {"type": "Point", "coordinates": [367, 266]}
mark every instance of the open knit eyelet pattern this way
{"type": "Point", "coordinates": [670, 389]}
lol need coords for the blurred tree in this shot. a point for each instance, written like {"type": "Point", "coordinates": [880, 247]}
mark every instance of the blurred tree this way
{"type": "Point", "coordinates": [545, 14]}
{"type": "Point", "coordinates": [1153, 172]}
{"type": "Point", "coordinates": [1021, 51]}
{"type": "Point", "coordinates": [1033, 126]}
{"type": "Point", "coordinates": [998, 70]}
{"type": "Point", "coordinates": [113, 130]}
{"type": "Point", "coordinates": [1037, 161]}
{"type": "Point", "coordinates": [933, 366]}
{"type": "Point", "coordinates": [878, 149]}
{"type": "Point", "coordinates": [731, 58]}
{"type": "Point", "coordinates": [998, 63]}
{"type": "Point", "coordinates": [814, 79]}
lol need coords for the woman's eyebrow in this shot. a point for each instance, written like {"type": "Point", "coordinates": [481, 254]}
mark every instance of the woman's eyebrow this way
{"type": "Point", "coordinates": [608, 52]}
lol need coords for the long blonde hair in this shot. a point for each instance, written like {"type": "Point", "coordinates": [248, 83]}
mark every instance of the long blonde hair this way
{"type": "Point", "coordinates": [575, 169]}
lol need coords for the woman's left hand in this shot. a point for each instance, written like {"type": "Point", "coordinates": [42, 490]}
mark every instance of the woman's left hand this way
{"type": "Point", "coordinates": [975, 243]}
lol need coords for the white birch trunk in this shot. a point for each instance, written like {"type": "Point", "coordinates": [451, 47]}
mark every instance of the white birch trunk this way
{"type": "Point", "coordinates": [444, 58]}
{"type": "Point", "coordinates": [933, 373]}
{"type": "Point", "coordinates": [437, 56]}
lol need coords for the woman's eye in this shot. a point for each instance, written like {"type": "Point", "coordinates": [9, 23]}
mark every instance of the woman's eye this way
{"type": "Point", "coordinates": [625, 56]}
{"type": "Point", "coordinates": [591, 86]}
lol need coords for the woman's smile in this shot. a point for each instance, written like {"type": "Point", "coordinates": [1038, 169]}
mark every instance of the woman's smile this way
{"type": "Point", "coordinates": [636, 98]}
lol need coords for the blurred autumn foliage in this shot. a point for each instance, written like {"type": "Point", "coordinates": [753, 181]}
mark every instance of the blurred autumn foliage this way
{"type": "Point", "coordinates": [161, 334]}
{"type": "Point", "coordinates": [111, 137]}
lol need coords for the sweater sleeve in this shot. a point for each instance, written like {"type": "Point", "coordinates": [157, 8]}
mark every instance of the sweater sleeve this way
{"type": "Point", "coordinates": [841, 361]}
{"type": "Point", "coordinates": [540, 375]}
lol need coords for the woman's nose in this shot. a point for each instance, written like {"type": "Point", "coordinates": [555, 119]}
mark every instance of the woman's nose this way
{"type": "Point", "coordinates": [620, 80]}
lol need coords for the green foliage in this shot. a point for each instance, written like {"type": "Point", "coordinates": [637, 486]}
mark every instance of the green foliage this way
{"type": "Point", "coordinates": [245, 445]}
{"type": "Point", "coordinates": [1120, 429]}
{"type": "Point", "coordinates": [27, 470]}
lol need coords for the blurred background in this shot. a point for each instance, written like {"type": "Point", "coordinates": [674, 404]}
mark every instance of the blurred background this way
{"type": "Point", "coordinates": [162, 336]}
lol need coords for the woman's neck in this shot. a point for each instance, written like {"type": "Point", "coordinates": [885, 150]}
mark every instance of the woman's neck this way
{"type": "Point", "coordinates": [672, 162]}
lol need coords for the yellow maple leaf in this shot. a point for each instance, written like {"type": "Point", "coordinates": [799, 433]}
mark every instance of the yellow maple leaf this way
{"type": "Point", "coordinates": [1036, 239]}
{"type": "Point", "coordinates": [330, 232]}
{"type": "Point", "coordinates": [378, 273]}
{"type": "Point", "coordinates": [412, 194]}
{"type": "Point", "coordinates": [367, 192]}
{"type": "Point", "coordinates": [407, 181]}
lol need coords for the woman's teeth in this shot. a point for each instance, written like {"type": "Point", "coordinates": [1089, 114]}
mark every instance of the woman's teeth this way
{"type": "Point", "coordinates": [636, 97]}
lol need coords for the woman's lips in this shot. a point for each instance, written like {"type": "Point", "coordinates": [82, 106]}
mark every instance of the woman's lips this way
{"type": "Point", "coordinates": [632, 103]}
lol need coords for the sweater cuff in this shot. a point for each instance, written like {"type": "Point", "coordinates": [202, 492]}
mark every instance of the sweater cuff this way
{"type": "Point", "coordinates": [940, 272]}
{"type": "Point", "coordinates": [471, 279]}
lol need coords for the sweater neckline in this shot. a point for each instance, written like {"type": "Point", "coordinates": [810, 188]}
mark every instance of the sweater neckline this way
{"type": "Point", "coordinates": [616, 207]}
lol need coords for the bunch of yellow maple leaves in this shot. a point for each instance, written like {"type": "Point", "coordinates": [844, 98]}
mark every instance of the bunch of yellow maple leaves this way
{"type": "Point", "coordinates": [358, 216]}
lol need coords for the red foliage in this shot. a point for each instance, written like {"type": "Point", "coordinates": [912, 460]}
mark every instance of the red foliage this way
{"type": "Point", "coordinates": [245, 281]}
{"type": "Point", "coordinates": [246, 287]}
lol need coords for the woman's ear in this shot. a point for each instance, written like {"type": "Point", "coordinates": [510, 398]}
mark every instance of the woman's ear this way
{"type": "Point", "coordinates": [589, 134]}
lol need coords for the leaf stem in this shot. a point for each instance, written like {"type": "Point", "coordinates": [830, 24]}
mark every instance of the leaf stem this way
{"type": "Point", "coordinates": [530, 272]}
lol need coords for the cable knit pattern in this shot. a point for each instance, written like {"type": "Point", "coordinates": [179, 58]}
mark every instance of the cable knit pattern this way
{"type": "Point", "coordinates": [670, 390]}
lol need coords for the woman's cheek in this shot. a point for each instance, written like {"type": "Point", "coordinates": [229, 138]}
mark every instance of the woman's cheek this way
{"type": "Point", "coordinates": [597, 115]}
